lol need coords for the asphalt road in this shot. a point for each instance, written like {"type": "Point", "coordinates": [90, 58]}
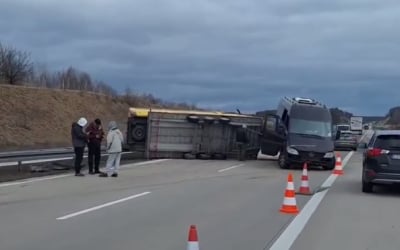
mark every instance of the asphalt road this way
{"type": "Point", "coordinates": [350, 219]}
{"type": "Point", "coordinates": [235, 205]}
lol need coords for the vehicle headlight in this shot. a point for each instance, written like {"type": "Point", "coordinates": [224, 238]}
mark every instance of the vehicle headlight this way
{"type": "Point", "coordinates": [329, 155]}
{"type": "Point", "coordinates": [292, 151]}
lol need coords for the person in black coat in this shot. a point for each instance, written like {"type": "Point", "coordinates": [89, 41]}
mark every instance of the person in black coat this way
{"type": "Point", "coordinates": [95, 136]}
{"type": "Point", "coordinates": [79, 141]}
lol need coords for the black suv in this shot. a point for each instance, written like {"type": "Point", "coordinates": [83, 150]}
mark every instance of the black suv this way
{"type": "Point", "coordinates": [381, 160]}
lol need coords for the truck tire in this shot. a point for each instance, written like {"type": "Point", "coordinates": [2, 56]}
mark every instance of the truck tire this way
{"type": "Point", "coordinates": [204, 156]}
{"type": "Point", "coordinates": [189, 156]}
{"type": "Point", "coordinates": [219, 156]}
{"type": "Point", "coordinates": [139, 133]}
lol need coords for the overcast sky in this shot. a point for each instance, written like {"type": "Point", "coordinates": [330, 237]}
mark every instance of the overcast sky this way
{"type": "Point", "coordinates": [221, 54]}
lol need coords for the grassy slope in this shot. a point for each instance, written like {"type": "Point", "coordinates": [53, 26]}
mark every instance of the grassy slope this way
{"type": "Point", "coordinates": [40, 118]}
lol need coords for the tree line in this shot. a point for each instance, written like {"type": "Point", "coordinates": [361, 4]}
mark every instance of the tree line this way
{"type": "Point", "coordinates": [17, 68]}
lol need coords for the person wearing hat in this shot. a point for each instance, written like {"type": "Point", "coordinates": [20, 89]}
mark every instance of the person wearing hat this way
{"type": "Point", "coordinates": [114, 149]}
{"type": "Point", "coordinates": [79, 140]}
{"type": "Point", "coordinates": [96, 135]}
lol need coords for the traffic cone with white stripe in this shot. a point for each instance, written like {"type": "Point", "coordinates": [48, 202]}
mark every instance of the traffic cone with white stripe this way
{"type": "Point", "coordinates": [289, 205]}
{"type": "Point", "coordinates": [193, 241]}
{"type": "Point", "coordinates": [338, 165]}
{"type": "Point", "coordinates": [305, 186]}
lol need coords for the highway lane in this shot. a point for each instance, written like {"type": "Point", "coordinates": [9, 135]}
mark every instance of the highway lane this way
{"type": "Point", "coordinates": [350, 219]}
{"type": "Point", "coordinates": [235, 205]}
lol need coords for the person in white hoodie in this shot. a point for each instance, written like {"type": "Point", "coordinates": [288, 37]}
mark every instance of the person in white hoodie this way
{"type": "Point", "coordinates": [115, 140]}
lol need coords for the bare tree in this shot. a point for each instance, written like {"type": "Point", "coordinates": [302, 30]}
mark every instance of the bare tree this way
{"type": "Point", "coordinates": [15, 65]}
{"type": "Point", "coordinates": [104, 88]}
{"type": "Point", "coordinates": [85, 81]}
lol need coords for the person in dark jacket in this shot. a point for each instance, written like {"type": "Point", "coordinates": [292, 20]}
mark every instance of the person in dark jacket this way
{"type": "Point", "coordinates": [96, 135]}
{"type": "Point", "coordinates": [79, 140]}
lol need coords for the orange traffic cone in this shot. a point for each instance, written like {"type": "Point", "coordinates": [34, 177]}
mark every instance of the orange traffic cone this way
{"type": "Point", "coordinates": [289, 205]}
{"type": "Point", "coordinates": [338, 165]}
{"type": "Point", "coordinates": [193, 241]}
{"type": "Point", "coordinates": [305, 186]}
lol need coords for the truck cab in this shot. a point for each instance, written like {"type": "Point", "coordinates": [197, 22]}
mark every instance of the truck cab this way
{"type": "Point", "coordinates": [300, 131]}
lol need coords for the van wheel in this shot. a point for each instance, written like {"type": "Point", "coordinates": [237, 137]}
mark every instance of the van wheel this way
{"type": "Point", "coordinates": [282, 162]}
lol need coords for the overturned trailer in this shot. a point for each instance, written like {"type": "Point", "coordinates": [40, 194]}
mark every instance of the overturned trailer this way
{"type": "Point", "coordinates": [189, 134]}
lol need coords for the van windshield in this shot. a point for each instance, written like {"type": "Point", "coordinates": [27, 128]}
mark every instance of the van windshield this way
{"type": "Point", "coordinates": [310, 127]}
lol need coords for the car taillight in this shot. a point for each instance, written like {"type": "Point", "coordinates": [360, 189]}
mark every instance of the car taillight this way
{"type": "Point", "coordinates": [374, 152]}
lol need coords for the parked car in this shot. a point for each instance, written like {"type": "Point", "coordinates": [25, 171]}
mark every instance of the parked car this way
{"type": "Point", "coordinates": [346, 140]}
{"type": "Point", "coordinates": [381, 160]}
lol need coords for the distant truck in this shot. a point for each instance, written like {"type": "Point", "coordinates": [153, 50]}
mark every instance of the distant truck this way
{"type": "Point", "coordinates": [343, 127]}
{"type": "Point", "coordinates": [356, 124]}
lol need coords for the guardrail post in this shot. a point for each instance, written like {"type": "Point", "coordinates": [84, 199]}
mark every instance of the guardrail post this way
{"type": "Point", "coordinates": [19, 166]}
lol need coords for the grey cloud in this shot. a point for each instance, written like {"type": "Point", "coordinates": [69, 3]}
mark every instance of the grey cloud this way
{"type": "Point", "coordinates": [223, 54]}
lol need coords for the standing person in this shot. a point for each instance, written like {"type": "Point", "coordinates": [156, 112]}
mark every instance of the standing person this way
{"type": "Point", "coordinates": [96, 135]}
{"type": "Point", "coordinates": [114, 148]}
{"type": "Point", "coordinates": [79, 140]}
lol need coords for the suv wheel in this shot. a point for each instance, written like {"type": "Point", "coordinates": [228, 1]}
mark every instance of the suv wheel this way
{"type": "Point", "coordinates": [367, 187]}
{"type": "Point", "coordinates": [282, 161]}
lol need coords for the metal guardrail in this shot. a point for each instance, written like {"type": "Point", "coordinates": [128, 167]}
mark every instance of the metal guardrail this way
{"type": "Point", "coordinates": [39, 152]}
{"type": "Point", "coordinates": [17, 158]}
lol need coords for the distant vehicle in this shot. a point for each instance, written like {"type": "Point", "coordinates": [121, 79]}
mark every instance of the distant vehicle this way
{"type": "Point", "coordinates": [356, 124]}
{"type": "Point", "coordinates": [346, 140]}
{"type": "Point", "coordinates": [300, 131]}
{"type": "Point", "coordinates": [381, 160]}
{"type": "Point", "coordinates": [343, 127]}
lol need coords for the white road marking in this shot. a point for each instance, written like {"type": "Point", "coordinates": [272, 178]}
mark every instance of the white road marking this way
{"type": "Point", "coordinates": [144, 163]}
{"type": "Point", "coordinates": [30, 180]}
{"type": "Point", "coordinates": [102, 206]}
{"type": "Point", "coordinates": [6, 164]}
{"type": "Point", "coordinates": [226, 169]}
{"type": "Point", "coordinates": [294, 229]}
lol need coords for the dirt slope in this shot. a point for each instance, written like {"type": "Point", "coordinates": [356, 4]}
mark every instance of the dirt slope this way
{"type": "Point", "coordinates": [42, 118]}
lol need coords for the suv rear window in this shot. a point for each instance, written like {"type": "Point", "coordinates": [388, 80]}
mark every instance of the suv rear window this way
{"type": "Point", "coordinates": [346, 135]}
{"type": "Point", "coordinates": [388, 142]}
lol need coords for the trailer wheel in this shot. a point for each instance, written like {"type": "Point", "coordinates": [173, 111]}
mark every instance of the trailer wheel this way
{"type": "Point", "coordinates": [209, 119]}
{"type": "Point", "coordinates": [224, 120]}
{"type": "Point", "coordinates": [189, 156]}
{"type": "Point", "coordinates": [219, 156]}
{"type": "Point", "coordinates": [193, 118]}
{"type": "Point", "coordinates": [203, 156]}
{"type": "Point", "coordinates": [139, 132]}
